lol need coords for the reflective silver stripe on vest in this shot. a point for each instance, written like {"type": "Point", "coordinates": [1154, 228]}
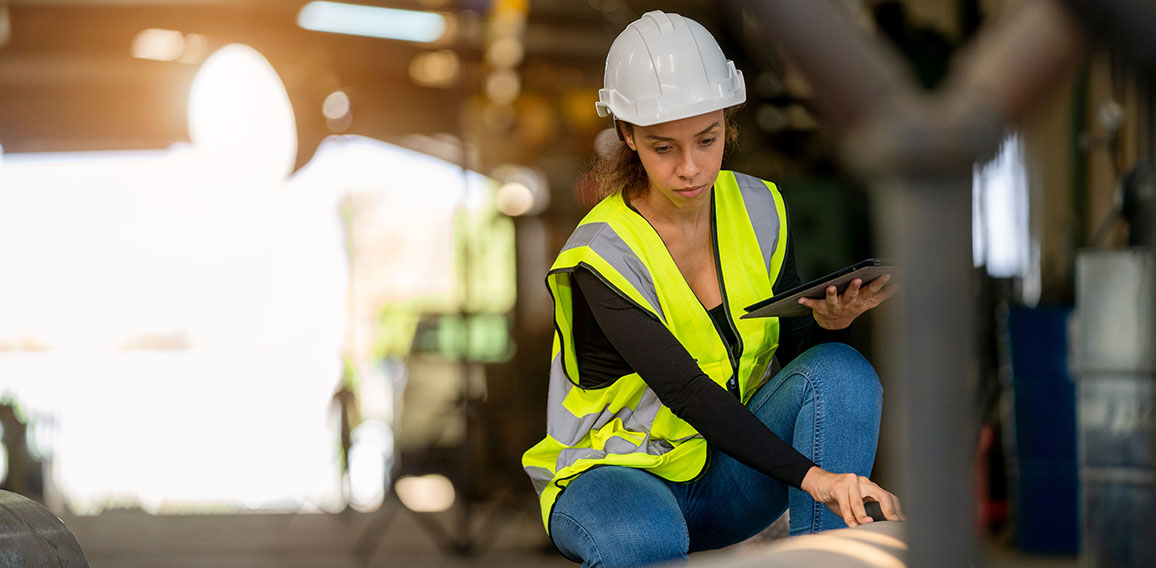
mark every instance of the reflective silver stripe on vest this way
{"type": "Point", "coordinates": [569, 429]}
{"type": "Point", "coordinates": [602, 239]}
{"type": "Point", "coordinates": [540, 477]}
{"type": "Point", "coordinates": [761, 209]}
{"type": "Point", "coordinates": [613, 445]}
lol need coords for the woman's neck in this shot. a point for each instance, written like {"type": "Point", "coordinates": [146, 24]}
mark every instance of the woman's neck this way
{"type": "Point", "coordinates": [660, 211]}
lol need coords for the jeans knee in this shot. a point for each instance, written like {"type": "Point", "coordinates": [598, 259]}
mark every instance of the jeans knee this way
{"type": "Point", "coordinates": [618, 516]}
{"type": "Point", "coordinates": [640, 552]}
{"type": "Point", "coordinates": [848, 369]}
{"type": "Point", "coordinates": [608, 544]}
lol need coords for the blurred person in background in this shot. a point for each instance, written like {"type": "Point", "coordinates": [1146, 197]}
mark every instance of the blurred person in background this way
{"type": "Point", "coordinates": [663, 436]}
{"type": "Point", "coordinates": [22, 473]}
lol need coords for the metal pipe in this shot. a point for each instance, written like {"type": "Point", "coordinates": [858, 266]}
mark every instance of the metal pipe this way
{"type": "Point", "coordinates": [865, 546]}
{"type": "Point", "coordinates": [995, 81]}
{"type": "Point", "coordinates": [926, 222]}
{"type": "Point", "coordinates": [1125, 24]}
{"type": "Point", "coordinates": [916, 150]}
{"type": "Point", "coordinates": [1017, 61]}
{"type": "Point", "coordinates": [851, 75]}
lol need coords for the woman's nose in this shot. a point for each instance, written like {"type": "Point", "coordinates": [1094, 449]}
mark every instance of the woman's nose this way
{"type": "Point", "coordinates": [687, 168]}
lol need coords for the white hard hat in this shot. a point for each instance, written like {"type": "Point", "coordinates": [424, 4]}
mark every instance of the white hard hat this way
{"type": "Point", "coordinates": [664, 67]}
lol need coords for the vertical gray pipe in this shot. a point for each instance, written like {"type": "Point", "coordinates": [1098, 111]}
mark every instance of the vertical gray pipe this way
{"type": "Point", "coordinates": [926, 224]}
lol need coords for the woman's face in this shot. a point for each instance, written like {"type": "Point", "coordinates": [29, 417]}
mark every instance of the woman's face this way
{"type": "Point", "coordinates": [681, 157]}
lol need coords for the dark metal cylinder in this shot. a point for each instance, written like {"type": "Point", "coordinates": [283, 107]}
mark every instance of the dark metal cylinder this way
{"type": "Point", "coordinates": [30, 535]}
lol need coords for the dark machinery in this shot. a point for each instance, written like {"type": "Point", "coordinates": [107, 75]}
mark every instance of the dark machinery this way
{"type": "Point", "coordinates": [30, 535]}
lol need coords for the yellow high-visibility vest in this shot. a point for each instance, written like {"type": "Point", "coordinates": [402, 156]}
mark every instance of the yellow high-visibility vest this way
{"type": "Point", "coordinates": [623, 423]}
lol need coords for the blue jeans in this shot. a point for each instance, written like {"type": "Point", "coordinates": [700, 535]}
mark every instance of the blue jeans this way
{"type": "Point", "coordinates": [826, 403]}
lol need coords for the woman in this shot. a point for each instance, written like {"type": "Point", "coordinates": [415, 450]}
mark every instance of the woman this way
{"type": "Point", "coordinates": [663, 437]}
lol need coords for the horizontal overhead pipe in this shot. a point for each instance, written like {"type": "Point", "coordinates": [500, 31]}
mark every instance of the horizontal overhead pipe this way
{"type": "Point", "coordinates": [850, 74]}
{"type": "Point", "coordinates": [995, 81]}
{"type": "Point", "coordinates": [1125, 24]}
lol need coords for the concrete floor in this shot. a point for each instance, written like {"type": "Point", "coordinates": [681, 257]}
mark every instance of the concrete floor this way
{"type": "Point", "coordinates": [133, 539]}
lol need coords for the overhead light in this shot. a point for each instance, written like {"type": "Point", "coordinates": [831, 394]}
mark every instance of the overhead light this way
{"type": "Point", "coordinates": [336, 105]}
{"type": "Point", "coordinates": [372, 21]}
{"type": "Point", "coordinates": [426, 493]}
{"type": "Point", "coordinates": [5, 26]}
{"type": "Point", "coordinates": [435, 68]}
{"type": "Point", "coordinates": [168, 45]}
{"type": "Point", "coordinates": [503, 86]}
{"type": "Point", "coordinates": [337, 111]}
{"type": "Point", "coordinates": [514, 199]}
{"type": "Point", "coordinates": [524, 190]}
{"type": "Point", "coordinates": [159, 45]}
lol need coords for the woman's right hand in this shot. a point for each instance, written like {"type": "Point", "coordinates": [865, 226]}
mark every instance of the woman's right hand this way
{"type": "Point", "coordinates": [844, 494]}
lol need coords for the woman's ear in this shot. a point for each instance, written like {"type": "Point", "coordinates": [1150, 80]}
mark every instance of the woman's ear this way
{"type": "Point", "coordinates": [626, 134]}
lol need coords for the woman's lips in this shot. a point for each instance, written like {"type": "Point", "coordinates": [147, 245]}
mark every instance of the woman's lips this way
{"type": "Point", "coordinates": [691, 192]}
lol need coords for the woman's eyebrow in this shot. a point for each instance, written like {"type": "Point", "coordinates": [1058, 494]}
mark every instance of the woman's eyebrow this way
{"type": "Point", "coordinates": [667, 139]}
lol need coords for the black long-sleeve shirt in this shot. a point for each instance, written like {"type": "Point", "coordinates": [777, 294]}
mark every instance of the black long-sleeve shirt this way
{"type": "Point", "coordinates": [614, 338]}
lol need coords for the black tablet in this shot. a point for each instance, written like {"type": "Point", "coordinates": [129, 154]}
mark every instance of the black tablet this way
{"type": "Point", "coordinates": [787, 303]}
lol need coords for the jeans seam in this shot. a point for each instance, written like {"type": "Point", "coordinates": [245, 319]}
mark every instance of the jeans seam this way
{"type": "Point", "coordinates": [590, 539]}
{"type": "Point", "coordinates": [816, 430]}
{"type": "Point", "coordinates": [816, 444]}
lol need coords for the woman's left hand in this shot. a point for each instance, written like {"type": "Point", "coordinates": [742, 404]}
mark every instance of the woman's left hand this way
{"type": "Point", "coordinates": [838, 311]}
{"type": "Point", "coordinates": [845, 494]}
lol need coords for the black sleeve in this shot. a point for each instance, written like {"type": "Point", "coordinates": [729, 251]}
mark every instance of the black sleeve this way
{"type": "Point", "coordinates": [799, 334]}
{"type": "Point", "coordinates": [680, 384]}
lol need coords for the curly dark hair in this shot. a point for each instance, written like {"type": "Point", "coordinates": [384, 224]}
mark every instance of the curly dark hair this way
{"type": "Point", "coordinates": [621, 169]}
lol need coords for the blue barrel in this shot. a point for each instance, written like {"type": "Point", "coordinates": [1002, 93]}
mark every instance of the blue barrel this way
{"type": "Point", "coordinates": [1044, 467]}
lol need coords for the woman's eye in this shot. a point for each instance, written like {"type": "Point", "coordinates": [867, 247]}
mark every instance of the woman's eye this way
{"type": "Point", "coordinates": [662, 149]}
{"type": "Point", "coordinates": [707, 141]}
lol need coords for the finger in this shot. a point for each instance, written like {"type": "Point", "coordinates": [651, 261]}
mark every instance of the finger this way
{"type": "Point", "coordinates": [811, 303]}
{"type": "Point", "coordinates": [852, 291]}
{"type": "Point", "coordinates": [832, 296]}
{"type": "Point", "coordinates": [852, 501]}
{"type": "Point", "coordinates": [857, 507]}
{"type": "Point", "coordinates": [898, 508]}
{"type": "Point", "coordinates": [888, 502]}
{"type": "Point", "coordinates": [889, 505]}
{"type": "Point", "coordinates": [845, 510]}
{"type": "Point", "coordinates": [888, 291]}
{"type": "Point", "coordinates": [840, 493]}
{"type": "Point", "coordinates": [877, 284]}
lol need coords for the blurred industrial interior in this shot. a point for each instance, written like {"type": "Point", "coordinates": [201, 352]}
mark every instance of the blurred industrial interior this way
{"type": "Point", "coordinates": [273, 295]}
